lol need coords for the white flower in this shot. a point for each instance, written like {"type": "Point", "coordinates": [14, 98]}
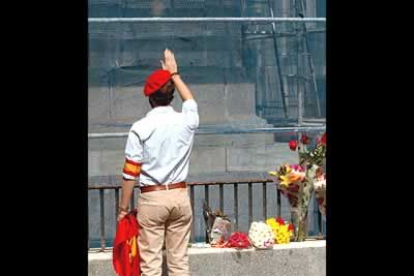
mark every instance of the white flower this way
{"type": "Point", "coordinates": [261, 235]}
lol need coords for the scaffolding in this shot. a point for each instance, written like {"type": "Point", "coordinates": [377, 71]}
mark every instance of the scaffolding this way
{"type": "Point", "coordinates": [286, 82]}
{"type": "Point", "coordinates": [253, 29]}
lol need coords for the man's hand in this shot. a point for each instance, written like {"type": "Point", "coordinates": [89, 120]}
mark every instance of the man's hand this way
{"type": "Point", "coordinates": [121, 215]}
{"type": "Point", "coordinates": [169, 62]}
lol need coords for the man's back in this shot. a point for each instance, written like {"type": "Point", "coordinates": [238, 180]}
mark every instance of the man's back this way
{"type": "Point", "coordinates": [166, 138]}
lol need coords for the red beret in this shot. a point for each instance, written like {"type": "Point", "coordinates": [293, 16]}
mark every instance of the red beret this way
{"type": "Point", "coordinates": [156, 80]}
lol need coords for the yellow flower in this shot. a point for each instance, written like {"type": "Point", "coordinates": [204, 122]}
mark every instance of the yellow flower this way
{"type": "Point", "coordinates": [282, 234]}
{"type": "Point", "coordinates": [280, 231]}
{"type": "Point", "coordinates": [273, 173]}
{"type": "Point", "coordinates": [288, 168]}
{"type": "Point", "coordinates": [271, 222]}
{"type": "Point", "coordinates": [285, 180]}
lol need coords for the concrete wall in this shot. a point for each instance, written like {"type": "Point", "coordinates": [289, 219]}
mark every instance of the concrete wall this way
{"type": "Point", "coordinates": [294, 259]}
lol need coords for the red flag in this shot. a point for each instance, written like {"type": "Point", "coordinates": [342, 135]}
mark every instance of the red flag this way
{"type": "Point", "coordinates": [125, 255]}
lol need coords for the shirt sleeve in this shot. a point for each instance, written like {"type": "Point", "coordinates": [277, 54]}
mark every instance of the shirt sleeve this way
{"type": "Point", "coordinates": [190, 111]}
{"type": "Point", "coordinates": [133, 157]}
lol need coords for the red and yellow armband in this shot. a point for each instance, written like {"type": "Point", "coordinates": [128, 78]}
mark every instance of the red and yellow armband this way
{"type": "Point", "coordinates": [131, 169]}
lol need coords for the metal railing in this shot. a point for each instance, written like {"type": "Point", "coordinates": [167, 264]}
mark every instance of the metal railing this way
{"type": "Point", "coordinates": [249, 183]}
{"type": "Point", "coordinates": [228, 130]}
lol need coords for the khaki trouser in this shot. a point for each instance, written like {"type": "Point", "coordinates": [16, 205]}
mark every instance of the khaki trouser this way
{"type": "Point", "coordinates": [166, 214]}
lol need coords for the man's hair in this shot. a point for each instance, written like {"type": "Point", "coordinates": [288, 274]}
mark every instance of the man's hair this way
{"type": "Point", "coordinates": [159, 98]}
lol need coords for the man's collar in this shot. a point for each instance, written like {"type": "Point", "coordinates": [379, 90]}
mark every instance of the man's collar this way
{"type": "Point", "coordinates": [160, 110]}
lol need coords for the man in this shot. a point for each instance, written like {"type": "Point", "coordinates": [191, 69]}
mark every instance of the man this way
{"type": "Point", "coordinates": [158, 151]}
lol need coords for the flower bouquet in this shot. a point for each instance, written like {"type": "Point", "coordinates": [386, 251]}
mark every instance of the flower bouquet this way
{"type": "Point", "coordinates": [261, 235]}
{"type": "Point", "coordinates": [238, 240]}
{"type": "Point", "coordinates": [292, 182]}
{"type": "Point", "coordinates": [315, 156]}
{"type": "Point", "coordinates": [314, 161]}
{"type": "Point", "coordinates": [282, 230]}
{"type": "Point", "coordinates": [218, 226]}
{"type": "Point", "coordinates": [297, 181]}
{"type": "Point", "coordinates": [320, 192]}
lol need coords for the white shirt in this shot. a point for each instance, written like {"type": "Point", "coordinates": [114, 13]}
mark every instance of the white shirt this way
{"type": "Point", "coordinates": [162, 143]}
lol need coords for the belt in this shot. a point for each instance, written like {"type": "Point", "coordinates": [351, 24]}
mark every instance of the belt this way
{"type": "Point", "coordinates": [163, 187]}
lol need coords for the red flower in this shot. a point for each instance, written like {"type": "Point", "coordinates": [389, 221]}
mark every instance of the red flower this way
{"type": "Point", "coordinates": [305, 139]}
{"type": "Point", "coordinates": [290, 228]}
{"type": "Point", "coordinates": [280, 221]}
{"type": "Point", "coordinates": [293, 144]}
{"type": "Point", "coordinates": [238, 240]}
{"type": "Point", "coordinates": [293, 188]}
{"type": "Point", "coordinates": [323, 139]}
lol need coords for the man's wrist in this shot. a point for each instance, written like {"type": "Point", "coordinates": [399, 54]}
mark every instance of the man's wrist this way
{"type": "Point", "coordinates": [123, 209]}
{"type": "Point", "coordinates": [175, 75]}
